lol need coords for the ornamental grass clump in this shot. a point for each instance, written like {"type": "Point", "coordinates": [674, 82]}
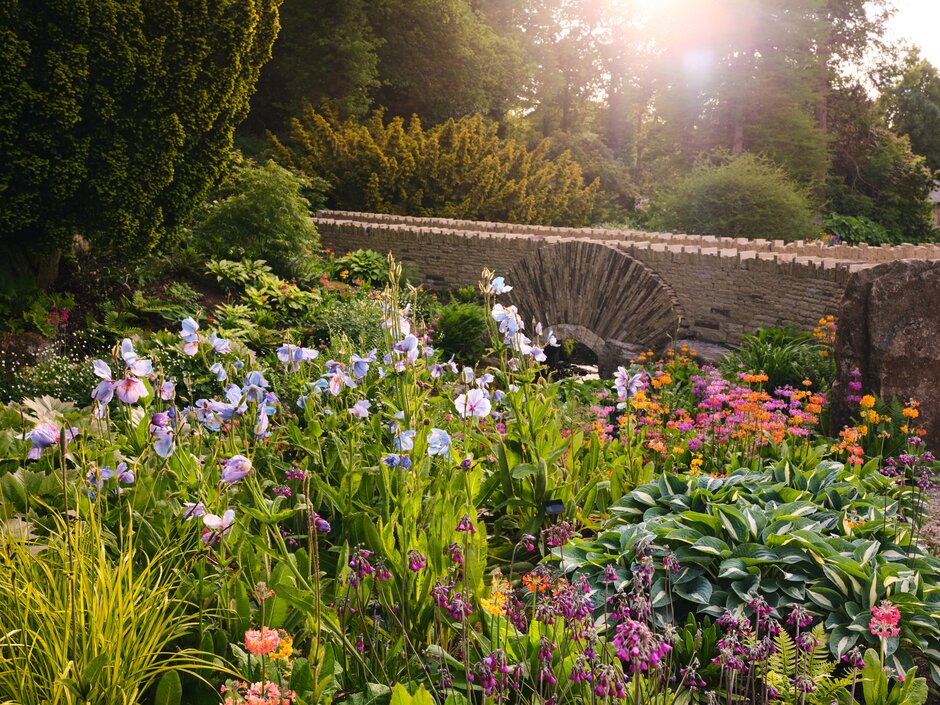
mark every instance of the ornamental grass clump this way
{"type": "Point", "coordinates": [85, 621]}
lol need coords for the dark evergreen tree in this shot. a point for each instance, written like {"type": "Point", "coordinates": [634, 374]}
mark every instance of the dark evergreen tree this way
{"type": "Point", "coordinates": [117, 116]}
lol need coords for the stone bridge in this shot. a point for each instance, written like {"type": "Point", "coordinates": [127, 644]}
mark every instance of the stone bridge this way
{"type": "Point", "coordinates": [617, 291]}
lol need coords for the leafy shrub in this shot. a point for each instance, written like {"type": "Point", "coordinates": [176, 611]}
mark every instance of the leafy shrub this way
{"type": "Point", "coordinates": [260, 214]}
{"type": "Point", "coordinates": [785, 355]}
{"type": "Point", "coordinates": [461, 331]}
{"type": "Point", "coordinates": [468, 294]}
{"type": "Point", "coordinates": [459, 169]}
{"type": "Point", "coordinates": [853, 230]}
{"type": "Point", "coordinates": [236, 276]}
{"type": "Point", "coordinates": [368, 266]}
{"type": "Point", "coordinates": [356, 319]}
{"type": "Point", "coordinates": [744, 196]}
{"type": "Point", "coordinates": [781, 533]}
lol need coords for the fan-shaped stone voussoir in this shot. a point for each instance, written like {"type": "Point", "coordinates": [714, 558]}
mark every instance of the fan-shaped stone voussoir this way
{"type": "Point", "coordinates": [599, 296]}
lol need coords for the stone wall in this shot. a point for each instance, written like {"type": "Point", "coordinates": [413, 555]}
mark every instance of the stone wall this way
{"type": "Point", "coordinates": [726, 286]}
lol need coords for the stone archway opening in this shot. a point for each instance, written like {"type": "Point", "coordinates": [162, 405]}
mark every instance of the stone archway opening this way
{"type": "Point", "coordinates": [599, 296]}
{"type": "Point", "coordinates": [573, 357]}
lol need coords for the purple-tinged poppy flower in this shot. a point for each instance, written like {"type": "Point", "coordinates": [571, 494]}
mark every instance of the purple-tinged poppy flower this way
{"type": "Point", "coordinates": [206, 415]}
{"type": "Point", "coordinates": [235, 468]}
{"type": "Point", "coordinates": [339, 379]}
{"type": "Point", "coordinates": [473, 403]}
{"type": "Point", "coordinates": [361, 409]}
{"type": "Point", "coordinates": [130, 390]}
{"type": "Point", "coordinates": [133, 363]}
{"type": "Point", "coordinates": [409, 346]}
{"type": "Point", "coordinates": [160, 419]}
{"type": "Point", "coordinates": [438, 442]}
{"type": "Point", "coordinates": [104, 392]}
{"type": "Point", "coordinates": [360, 365]}
{"type": "Point", "coordinates": [45, 436]}
{"type": "Point", "coordinates": [190, 336]}
{"type": "Point", "coordinates": [167, 390]}
{"type": "Point", "coordinates": [163, 444]}
{"type": "Point", "coordinates": [392, 460]}
{"type": "Point", "coordinates": [220, 374]}
{"type": "Point", "coordinates": [255, 384]}
{"type": "Point", "coordinates": [498, 286]}
{"type": "Point", "coordinates": [263, 420]}
{"type": "Point", "coordinates": [485, 380]}
{"type": "Point", "coordinates": [217, 526]}
{"type": "Point", "coordinates": [508, 319]}
{"type": "Point", "coordinates": [626, 385]}
{"type": "Point", "coordinates": [232, 406]}
{"type": "Point", "coordinates": [404, 441]}
{"type": "Point", "coordinates": [220, 346]}
{"type": "Point", "coordinates": [467, 374]}
{"type": "Point", "coordinates": [193, 509]}
{"type": "Point", "coordinates": [124, 474]}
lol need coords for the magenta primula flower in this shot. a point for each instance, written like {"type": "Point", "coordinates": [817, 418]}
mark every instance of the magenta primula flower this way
{"type": "Point", "coordinates": [884, 620]}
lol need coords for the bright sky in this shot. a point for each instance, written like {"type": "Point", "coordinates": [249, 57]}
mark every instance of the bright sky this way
{"type": "Point", "coordinates": [918, 21]}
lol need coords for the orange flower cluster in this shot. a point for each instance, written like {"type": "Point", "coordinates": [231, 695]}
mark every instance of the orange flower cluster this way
{"type": "Point", "coordinates": [825, 333]}
{"type": "Point", "coordinates": [851, 443]}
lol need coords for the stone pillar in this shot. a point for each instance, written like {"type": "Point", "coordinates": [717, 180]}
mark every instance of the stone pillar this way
{"type": "Point", "coordinates": [889, 329]}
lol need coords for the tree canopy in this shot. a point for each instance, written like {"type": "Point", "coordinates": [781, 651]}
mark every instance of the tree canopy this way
{"type": "Point", "coordinates": [117, 115]}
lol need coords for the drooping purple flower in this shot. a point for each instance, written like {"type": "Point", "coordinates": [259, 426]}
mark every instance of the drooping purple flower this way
{"type": "Point", "coordinates": [465, 525]}
{"type": "Point", "coordinates": [319, 524]}
{"type": "Point", "coordinates": [456, 553]}
{"type": "Point", "coordinates": [416, 560]}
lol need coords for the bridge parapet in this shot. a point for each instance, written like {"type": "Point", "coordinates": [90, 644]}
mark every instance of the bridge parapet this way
{"type": "Point", "coordinates": [725, 287]}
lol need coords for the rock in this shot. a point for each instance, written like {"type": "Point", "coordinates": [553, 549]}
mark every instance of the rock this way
{"type": "Point", "coordinates": [705, 352]}
{"type": "Point", "coordinates": [889, 329]}
{"type": "Point", "coordinates": [18, 349]}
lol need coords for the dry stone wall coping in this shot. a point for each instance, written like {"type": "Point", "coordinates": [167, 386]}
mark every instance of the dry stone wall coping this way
{"type": "Point", "coordinates": [724, 286]}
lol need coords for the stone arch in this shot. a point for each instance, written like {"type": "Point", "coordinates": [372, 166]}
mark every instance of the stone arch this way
{"type": "Point", "coordinates": [598, 295]}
